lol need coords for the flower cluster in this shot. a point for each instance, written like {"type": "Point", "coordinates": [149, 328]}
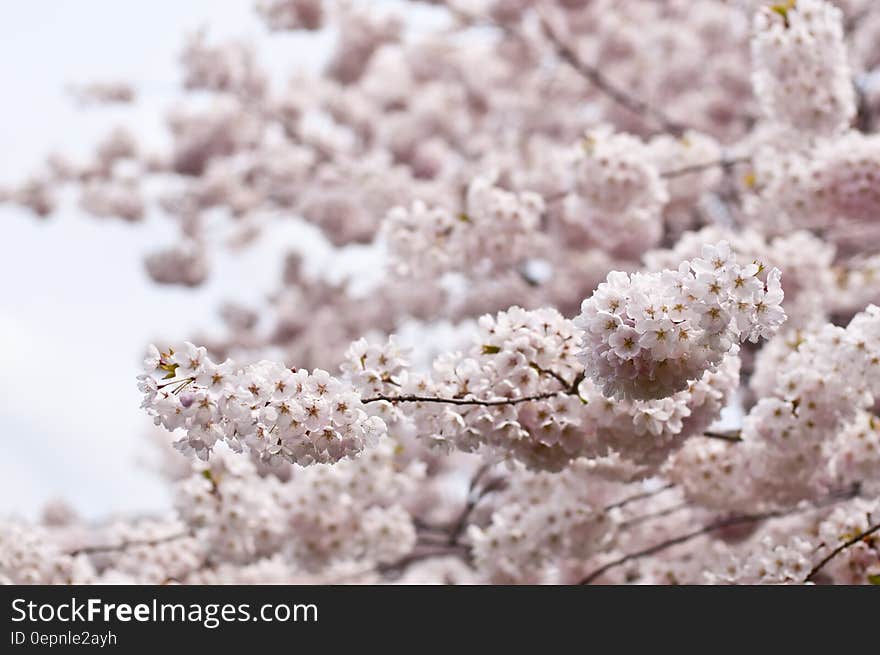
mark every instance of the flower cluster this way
{"type": "Point", "coordinates": [353, 511]}
{"type": "Point", "coordinates": [779, 560]}
{"type": "Point", "coordinates": [855, 285]}
{"type": "Point", "coordinates": [28, 557]}
{"type": "Point", "coordinates": [637, 436]}
{"type": "Point", "coordinates": [273, 411]}
{"type": "Point", "coordinates": [805, 261]}
{"type": "Point", "coordinates": [795, 433]}
{"type": "Point", "coordinates": [514, 391]}
{"type": "Point", "coordinates": [226, 68]}
{"type": "Point", "coordinates": [647, 335]}
{"type": "Point", "coordinates": [283, 15]}
{"type": "Point", "coordinates": [119, 198]}
{"type": "Point", "coordinates": [802, 78]}
{"type": "Point", "coordinates": [619, 196]}
{"type": "Point", "coordinates": [860, 563]}
{"type": "Point", "coordinates": [154, 552]}
{"type": "Point", "coordinates": [519, 394]}
{"type": "Point", "coordinates": [348, 512]}
{"type": "Point", "coordinates": [183, 263]}
{"type": "Point", "coordinates": [857, 453]}
{"type": "Point", "coordinates": [676, 155]}
{"type": "Point", "coordinates": [234, 512]}
{"type": "Point", "coordinates": [541, 519]}
{"type": "Point", "coordinates": [101, 93]}
{"type": "Point", "coordinates": [832, 187]}
{"type": "Point", "coordinates": [495, 230]}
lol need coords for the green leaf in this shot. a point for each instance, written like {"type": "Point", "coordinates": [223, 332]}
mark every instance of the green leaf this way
{"type": "Point", "coordinates": [782, 9]}
{"type": "Point", "coordinates": [588, 144]}
{"type": "Point", "coordinates": [491, 350]}
{"type": "Point", "coordinates": [874, 579]}
{"type": "Point", "coordinates": [464, 218]}
{"type": "Point", "coordinates": [171, 368]}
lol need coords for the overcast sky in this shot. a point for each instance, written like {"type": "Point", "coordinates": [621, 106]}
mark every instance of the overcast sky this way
{"type": "Point", "coordinates": [76, 307]}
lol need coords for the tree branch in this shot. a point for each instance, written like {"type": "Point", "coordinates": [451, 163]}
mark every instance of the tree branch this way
{"type": "Point", "coordinates": [712, 527]}
{"type": "Point", "coordinates": [569, 390]}
{"type": "Point", "coordinates": [654, 515]}
{"type": "Point", "coordinates": [842, 547]}
{"type": "Point", "coordinates": [669, 543]}
{"type": "Point", "coordinates": [418, 555]}
{"type": "Point", "coordinates": [463, 401]}
{"type": "Point", "coordinates": [597, 79]}
{"type": "Point", "coordinates": [725, 163]}
{"type": "Point", "coordinates": [111, 548]}
{"type": "Point", "coordinates": [734, 436]}
{"type": "Point", "coordinates": [639, 496]}
{"type": "Point", "coordinates": [473, 499]}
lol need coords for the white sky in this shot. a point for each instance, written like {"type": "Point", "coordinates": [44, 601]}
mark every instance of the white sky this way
{"type": "Point", "coordinates": [76, 308]}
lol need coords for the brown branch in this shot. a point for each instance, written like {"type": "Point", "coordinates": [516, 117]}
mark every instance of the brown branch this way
{"type": "Point", "coordinates": [653, 515]}
{"type": "Point", "coordinates": [639, 496]}
{"type": "Point", "coordinates": [474, 497]}
{"type": "Point", "coordinates": [734, 436]}
{"type": "Point", "coordinates": [712, 527]}
{"type": "Point", "coordinates": [864, 121]}
{"type": "Point", "coordinates": [437, 541]}
{"type": "Point", "coordinates": [842, 547]}
{"type": "Point", "coordinates": [418, 555]}
{"type": "Point", "coordinates": [553, 374]}
{"type": "Point", "coordinates": [725, 163]}
{"type": "Point", "coordinates": [110, 548]}
{"type": "Point", "coordinates": [587, 71]}
{"type": "Point", "coordinates": [463, 401]}
{"type": "Point", "coordinates": [569, 389]}
{"type": "Point", "coordinates": [175, 381]}
{"type": "Point", "coordinates": [669, 543]}
{"type": "Point", "coordinates": [598, 79]}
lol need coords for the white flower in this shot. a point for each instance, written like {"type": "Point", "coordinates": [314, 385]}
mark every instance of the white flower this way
{"type": "Point", "coordinates": [265, 406]}
{"type": "Point", "coordinates": [625, 342]}
{"type": "Point", "coordinates": [189, 360]}
{"type": "Point", "coordinates": [674, 325]}
{"type": "Point", "coordinates": [152, 359]}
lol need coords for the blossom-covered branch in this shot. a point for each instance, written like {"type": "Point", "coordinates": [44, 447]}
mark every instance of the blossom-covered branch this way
{"type": "Point", "coordinates": [537, 259]}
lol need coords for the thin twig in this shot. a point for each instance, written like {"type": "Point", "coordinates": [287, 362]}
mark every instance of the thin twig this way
{"type": "Point", "coordinates": [639, 496]}
{"type": "Point", "coordinates": [553, 374]}
{"type": "Point", "coordinates": [725, 163]}
{"type": "Point", "coordinates": [419, 555]}
{"type": "Point", "coordinates": [175, 381]}
{"type": "Point", "coordinates": [864, 121]}
{"type": "Point", "coordinates": [598, 79]}
{"type": "Point", "coordinates": [669, 543]}
{"type": "Point", "coordinates": [654, 515]}
{"type": "Point", "coordinates": [734, 436]}
{"type": "Point", "coordinates": [110, 548]}
{"type": "Point", "coordinates": [842, 547]}
{"type": "Point", "coordinates": [712, 527]}
{"type": "Point", "coordinates": [473, 499]}
{"type": "Point", "coordinates": [569, 390]}
{"type": "Point", "coordinates": [464, 401]}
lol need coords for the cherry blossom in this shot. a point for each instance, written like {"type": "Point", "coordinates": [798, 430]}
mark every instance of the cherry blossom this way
{"type": "Point", "coordinates": [578, 292]}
